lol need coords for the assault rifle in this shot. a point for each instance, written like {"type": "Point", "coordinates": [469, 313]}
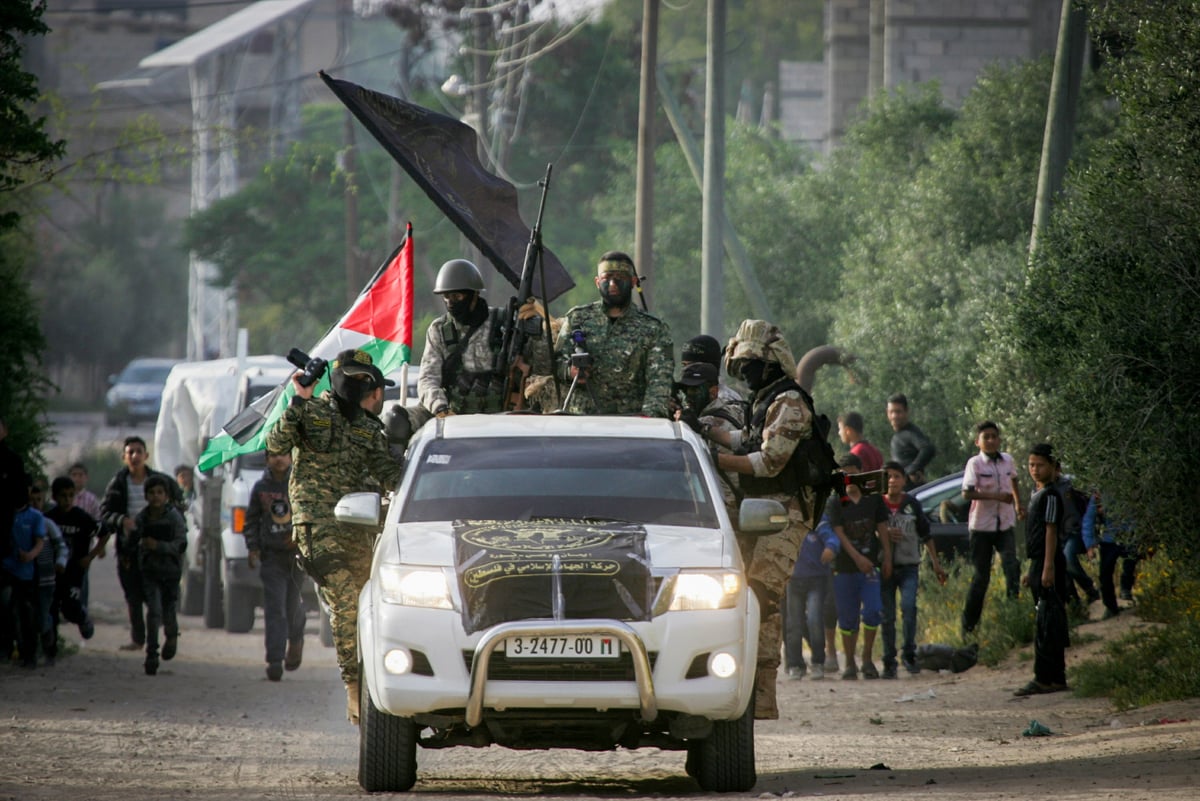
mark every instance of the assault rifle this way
{"type": "Point", "coordinates": [518, 332]}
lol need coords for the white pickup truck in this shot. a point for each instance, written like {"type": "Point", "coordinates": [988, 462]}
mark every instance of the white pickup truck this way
{"type": "Point", "coordinates": [558, 582]}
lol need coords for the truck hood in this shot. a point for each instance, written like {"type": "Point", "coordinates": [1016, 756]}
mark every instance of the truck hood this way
{"type": "Point", "coordinates": [669, 547]}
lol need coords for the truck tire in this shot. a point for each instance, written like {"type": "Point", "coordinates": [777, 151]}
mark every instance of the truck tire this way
{"type": "Point", "coordinates": [192, 602]}
{"type": "Point", "coordinates": [387, 749]}
{"type": "Point", "coordinates": [239, 609]}
{"type": "Point", "coordinates": [723, 762]}
{"type": "Point", "coordinates": [214, 600]}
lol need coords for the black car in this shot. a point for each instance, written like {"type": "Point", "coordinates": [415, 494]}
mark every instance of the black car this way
{"type": "Point", "coordinates": [946, 508]}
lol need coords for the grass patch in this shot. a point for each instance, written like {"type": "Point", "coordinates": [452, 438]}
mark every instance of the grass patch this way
{"type": "Point", "coordinates": [1156, 664]}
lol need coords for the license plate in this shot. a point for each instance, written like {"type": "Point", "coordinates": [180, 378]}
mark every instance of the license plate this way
{"type": "Point", "coordinates": [577, 646]}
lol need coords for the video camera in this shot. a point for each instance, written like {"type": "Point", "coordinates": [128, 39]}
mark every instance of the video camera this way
{"type": "Point", "coordinates": [313, 367]}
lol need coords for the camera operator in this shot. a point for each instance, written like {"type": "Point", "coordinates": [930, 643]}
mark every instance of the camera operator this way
{"type": "Point", "coordinates": [631, 350]}
{"type": "Point", "coordinates": [337, 441]}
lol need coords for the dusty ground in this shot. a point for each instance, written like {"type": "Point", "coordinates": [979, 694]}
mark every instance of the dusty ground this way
{"type": "Point", "coordinates": [211, 726]}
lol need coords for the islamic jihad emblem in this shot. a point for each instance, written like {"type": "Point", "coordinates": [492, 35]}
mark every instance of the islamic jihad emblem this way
{"type": "Point", "coordinates": [533, 538]}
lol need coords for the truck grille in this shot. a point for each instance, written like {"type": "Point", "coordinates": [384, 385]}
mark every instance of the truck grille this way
{"type": "Point", "coordinates": [501, 668]}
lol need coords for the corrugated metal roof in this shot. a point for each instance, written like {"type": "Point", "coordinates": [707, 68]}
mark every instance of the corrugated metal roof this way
{"type": "Point", "coordinates": [220, 35]}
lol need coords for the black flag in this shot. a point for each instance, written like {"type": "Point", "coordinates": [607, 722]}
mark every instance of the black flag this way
{"type": "Point", "coordinates": [439, 153]}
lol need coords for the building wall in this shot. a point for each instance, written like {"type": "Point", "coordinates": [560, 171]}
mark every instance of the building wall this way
{"type": "Point", "coordinates": [950, 41]}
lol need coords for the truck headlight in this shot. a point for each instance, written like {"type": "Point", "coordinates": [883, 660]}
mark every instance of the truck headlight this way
{"type": "Point", "coordinates": [690, 590]}
{"type": "Point", "coordinates": [414, 586]}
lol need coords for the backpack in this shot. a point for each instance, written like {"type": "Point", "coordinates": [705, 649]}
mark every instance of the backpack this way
{"type": "Point", "coordinates": [812, 463]}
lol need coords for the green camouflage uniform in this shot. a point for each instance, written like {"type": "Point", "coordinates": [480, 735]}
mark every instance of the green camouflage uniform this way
{"type": "Point", "coordinates": [331, 457]}
{"type": "Point", "coordinates": [633, 361]}
{"type": "Point", "coordinates": [788, 420]}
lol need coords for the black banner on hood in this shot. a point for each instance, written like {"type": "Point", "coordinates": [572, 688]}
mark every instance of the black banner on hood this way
{"type": "Point", "coordinates": [569, 569]}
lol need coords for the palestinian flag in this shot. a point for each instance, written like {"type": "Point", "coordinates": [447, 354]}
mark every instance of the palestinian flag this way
{"type": "Point", "coordinates": [379, 322]}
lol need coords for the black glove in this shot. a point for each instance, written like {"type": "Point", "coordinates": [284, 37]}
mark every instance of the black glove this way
{"type": "Point", "coordinates": [689, 418]}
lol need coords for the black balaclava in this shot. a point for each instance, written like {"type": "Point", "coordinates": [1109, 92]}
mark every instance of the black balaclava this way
{"type": "Point", "coordinates": [348, 392]}
{"type": "Point", "coordinates": [464, 311]}
{"type": "Point", "coordinates": [758, 373]}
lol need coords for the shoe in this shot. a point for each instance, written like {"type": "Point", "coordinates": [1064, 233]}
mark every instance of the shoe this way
{"type": "Point", "coordinates": [294, 655]}
{"type": "Point", "coordinates": [1126, 595]}
{"type": "Point", "coordinates": [352, 702]}
{"type": "Point", "coordinates": [169, 647]}
{"type": "Point", "coordinates": [911, 665]}
{"type": "Point", "coordinates": [795, 673]}
{"type": "Point", "coordinates": [1093, 596]}
{"type": "Point", "coordinates": [1109, 614]}
{"type": "Point", "coordinates": [818, 671]}
{"type": "Point", "coordinates": [275, 671]}
{"type": "Point", "coordinates": [151, 666]}
{"type": "Point", "coordinates": [851, 672]}
{"type": "Point", "coordinates": [29, 664]}
{"type": "Point", "coordinates": [869, 671]}
{"type": "Point", "coordinates": [48, 661]}
{"type": "Point", "coordinates": [87, 629]}
{"type": "Point", "coordinates": [132, 646]}
{"type": "Point", "coordinates": [1037, 688]}
{"type": "Point", "coordinates": [889, 672]}
{"type": "Point", "coordinates": [831, 664]}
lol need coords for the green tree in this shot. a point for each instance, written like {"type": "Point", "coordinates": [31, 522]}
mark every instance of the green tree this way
{"type": "Point", "coordinates": [936, 252]}
{"type": "Point", "coordinates": [1107, 321]}
{"type": "Point", "coordinates": [26, 152]}
{"type": "Point", "coordinates": [115, 285]}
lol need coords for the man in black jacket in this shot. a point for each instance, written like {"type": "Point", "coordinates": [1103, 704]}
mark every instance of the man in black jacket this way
{"type": "Point", "coordinates": [123, 498]}
{"type": "Point", "coordinates": [910, 446]}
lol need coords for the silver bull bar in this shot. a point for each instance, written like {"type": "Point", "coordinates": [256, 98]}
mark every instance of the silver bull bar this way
{"type": "Point", "coordinates": [558, 628]}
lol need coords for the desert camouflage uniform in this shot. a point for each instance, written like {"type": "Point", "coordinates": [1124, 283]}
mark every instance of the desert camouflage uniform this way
{"type": "Point", "coordinates": [332, 456]}
{"type": "Point", "coordinates": [717, 414]}
{"type": "Point", "coordinates": [634, 361]}
{"type": "Point", "coordinates": [787, 421]}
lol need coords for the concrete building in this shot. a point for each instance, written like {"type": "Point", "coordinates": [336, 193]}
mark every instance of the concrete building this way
{"type": "Point", "coordinates": [870, 44]}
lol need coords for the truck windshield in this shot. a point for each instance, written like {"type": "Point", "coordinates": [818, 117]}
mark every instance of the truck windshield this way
{"type": "Point", "coordinates": [510, 478]}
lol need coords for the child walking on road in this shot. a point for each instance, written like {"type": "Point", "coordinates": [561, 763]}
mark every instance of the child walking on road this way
{"type": "Point", "coordinates": [161, 536]}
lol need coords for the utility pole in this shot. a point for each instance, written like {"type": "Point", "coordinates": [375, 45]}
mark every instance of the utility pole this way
{"type": "Point", "coordinates": [1060, 116]}
{"type": "Point", "coordinates": [712, 301]}
{"type": "Point", "coordinates": [644, 203]}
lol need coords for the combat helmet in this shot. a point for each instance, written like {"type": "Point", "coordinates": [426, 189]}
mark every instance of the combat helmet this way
{"type": "Point", "coordinates": [458, 275]}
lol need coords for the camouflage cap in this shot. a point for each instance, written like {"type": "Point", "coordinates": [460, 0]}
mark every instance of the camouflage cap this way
{"type": "Point", "coordinates": [358, 363]}
{"type": "Point", "coordinates": [758, 339]}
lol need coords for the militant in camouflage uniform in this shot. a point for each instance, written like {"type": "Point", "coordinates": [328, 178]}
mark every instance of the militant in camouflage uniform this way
{"type": "Point", "coordinates": [779, 420]}
{"type": "Point", "coordinates": [633, 362]}
{"type": "Point", "coordinates": [338, 446]}
{"type": "Point", "coordinates": [700, 389]}
{"type": "Point", "coordinates": [461, 369]}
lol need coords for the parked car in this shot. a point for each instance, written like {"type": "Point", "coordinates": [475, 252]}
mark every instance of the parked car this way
{"type": "Point", "coordinates": [135, 393]}
{"type": "Point", "coordinates": [544, 582]}
{"type": "Point", "coordinates": [946, 508]}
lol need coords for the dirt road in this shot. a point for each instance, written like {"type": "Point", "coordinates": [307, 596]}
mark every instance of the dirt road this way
{"type": "Point", "coordinates": [210, 726]}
